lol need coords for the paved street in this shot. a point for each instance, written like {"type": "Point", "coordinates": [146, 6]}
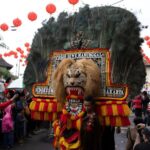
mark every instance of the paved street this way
{"type": "Point", "coordinates": [40, 141]}
{"type": "Point", "coordinates": [120, 139]}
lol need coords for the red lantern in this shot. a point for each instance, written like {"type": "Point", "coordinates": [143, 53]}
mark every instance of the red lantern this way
{"type": "Point", "coordinates": [8, 54]}
{"type": "Point", "coordinates": [18, 49]}
{"type": "Point", "coordinates": [142, 51]}
{"type": "Point", "coordinates": [26, 44]}
{"type": "Point", "coordinates": [26, 62]}
{"type": "Point", "coordinates": [4, 27]}
{"type": "Point", "coordinates": [16, 56]}
{"type": "Point", "coordinates": [50, 8]}
{"type": "Point", "coordinates": [28, 49]}
{"type": "Point", "coordinates": [146, 38]}
{"type": "Point", "coordinates": [22, 56]}
{"type": "Point", "coordinates": [21, 52]}
{"type": "Point", "coordinates": [32, 16]}
{"type": "Point", "coordinates": [1, 55]}
{"type": "Point", "coordinates": [15, 53]}
{"type": "Point", "coordinates": [73, 2]}
{"type": "Point", "coordinates": [5, 54]}
{"type": "Point", "coordinates": [148, 42]}
{"type": "Point", "coordinates": [17, 22]}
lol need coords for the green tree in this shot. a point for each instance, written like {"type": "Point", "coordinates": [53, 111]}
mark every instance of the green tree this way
{"type": "Point", "coordinates": [99, 27]}
{"type": "Point", "coordinates": [5, 73]}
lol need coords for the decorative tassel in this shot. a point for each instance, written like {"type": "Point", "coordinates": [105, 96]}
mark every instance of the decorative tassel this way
{"type": "Point", "coordinates": [115, 110]}
{"type": "Point", "coordinates": [127, 110]}
{"type": "Point", "coordinates": [103, 110]}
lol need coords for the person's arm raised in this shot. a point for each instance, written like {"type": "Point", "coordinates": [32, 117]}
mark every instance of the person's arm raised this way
{"type": "Point", "coordinates": [5, 104]}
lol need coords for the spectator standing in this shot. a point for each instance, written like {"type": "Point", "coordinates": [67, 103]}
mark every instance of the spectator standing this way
{"type": "Point", "coordinates": [147, 117]}
{"type": "Point", "coordinates": [30, 126]}
{"type": "Point", "coordinates": [3, 105]}
{"type": "Point", "coordinates": [19, 119]}
{"type": "Point", "coordinates": [2, 89]}
{"type": "Point", "coordinates": [145, 101]}
{"type": "Point", "coordinates": [137, 105]}
{"type": "Point", "coordinates": [8, 127]}
{"type": "Point", "coordinates": [9, 100]}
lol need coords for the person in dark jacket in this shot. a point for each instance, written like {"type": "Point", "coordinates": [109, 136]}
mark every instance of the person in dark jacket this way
{"type": "Point", "coordinates": [91, 129]}
{"type": "Point", "coordinates": [145, 101]}
{"type": "Point", "coordinates": [19, 119]}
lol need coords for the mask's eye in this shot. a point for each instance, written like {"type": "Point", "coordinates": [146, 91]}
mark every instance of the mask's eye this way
{"type": "Point", "coordinates": [77, 75]}
{"type": "Point", "coordinates": [68, 76]}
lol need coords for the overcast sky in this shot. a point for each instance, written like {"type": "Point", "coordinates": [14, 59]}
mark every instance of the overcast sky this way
{"type": "Point", "coordinates": [11, 9]}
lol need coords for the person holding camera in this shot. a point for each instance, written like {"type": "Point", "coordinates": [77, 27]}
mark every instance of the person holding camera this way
{"type": "Point", "coordinates": [142, 141]}
{"type": "Point", "coordinates": [132, 132]}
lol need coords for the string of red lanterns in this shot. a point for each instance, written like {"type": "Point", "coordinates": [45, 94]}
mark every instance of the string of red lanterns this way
{"type": "Point", "coordinates": [32, 16]}
{"type": "Point", "coordinates": [20, 52]}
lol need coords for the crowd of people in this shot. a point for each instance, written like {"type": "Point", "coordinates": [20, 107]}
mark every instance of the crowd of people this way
{"type": "Point", "coordinates": [141, 106]}
{"type": "Point", "coordinates": [16, 123]}
{"type": "Point", "coordinates": [138, 136]}
{"type": "Point", "coordinates": [15, 118]}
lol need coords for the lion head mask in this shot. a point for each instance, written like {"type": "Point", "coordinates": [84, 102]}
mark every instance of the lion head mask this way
{"type": "Point", "coordinates": [81, 77]}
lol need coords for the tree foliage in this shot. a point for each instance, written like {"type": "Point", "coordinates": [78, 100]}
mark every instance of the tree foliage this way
{"type": "Point", "coordinates": [103, 27]}
{"type": "Point", "coordinates": [5, 73]}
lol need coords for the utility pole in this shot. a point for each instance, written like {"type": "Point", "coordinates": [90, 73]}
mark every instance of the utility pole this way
{"type": "Point", "coordinates": [19, 68]}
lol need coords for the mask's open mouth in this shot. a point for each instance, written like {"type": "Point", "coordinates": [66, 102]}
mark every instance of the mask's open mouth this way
{"type": "Point", "coordinates": [75, 100]}
{"type": "Point", "coordinates": [74, 106]}
{"type": "Point", "coordinates": [78, 91]}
